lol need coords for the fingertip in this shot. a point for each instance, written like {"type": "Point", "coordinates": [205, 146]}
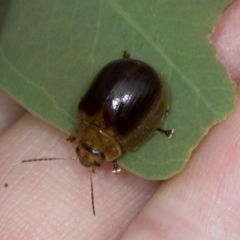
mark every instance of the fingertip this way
{"type": "Point", "coordinates": [226, 40]}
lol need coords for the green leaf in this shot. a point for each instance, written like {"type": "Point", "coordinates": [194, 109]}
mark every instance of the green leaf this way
{"type": "Point", "coordinates": [51, 50]}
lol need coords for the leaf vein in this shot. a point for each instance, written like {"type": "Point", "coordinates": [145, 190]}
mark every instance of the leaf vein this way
{"type": "Point", "coordinates": [45, 92]}
{"type": "Point", "coordinates": [141, 32]}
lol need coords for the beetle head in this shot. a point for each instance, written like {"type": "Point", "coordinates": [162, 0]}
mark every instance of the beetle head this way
{"type": "Point", "coordinates": [89, 157]}
{"type": "Point", "coordinates": [95, 146]}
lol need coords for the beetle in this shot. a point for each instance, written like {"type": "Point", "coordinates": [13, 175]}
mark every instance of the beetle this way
{"type": "Point", "coordinates": [120, 111]}
{"type": "Point", "coordinates": [122, 108]}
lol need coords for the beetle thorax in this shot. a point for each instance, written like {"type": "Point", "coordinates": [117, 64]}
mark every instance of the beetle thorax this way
{"type": "Point", "coordinates": [95, 146]}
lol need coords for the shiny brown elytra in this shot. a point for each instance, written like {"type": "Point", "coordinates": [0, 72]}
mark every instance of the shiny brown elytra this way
{"type": "Point", "coordinates": [120, 111]}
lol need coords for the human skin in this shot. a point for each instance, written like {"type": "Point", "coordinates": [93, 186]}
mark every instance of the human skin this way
{"type": "Point", "coordinates": [51, 200]}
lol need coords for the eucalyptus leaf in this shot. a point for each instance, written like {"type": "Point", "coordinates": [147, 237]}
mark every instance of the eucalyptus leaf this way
{"type": "Point", "coordinates": [51, 50]}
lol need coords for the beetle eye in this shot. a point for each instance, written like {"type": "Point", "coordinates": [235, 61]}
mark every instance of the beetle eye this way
{"type": "Point", "coordinates": [77, 149]}
{"type": "Point", "coordinates": [97, 163]}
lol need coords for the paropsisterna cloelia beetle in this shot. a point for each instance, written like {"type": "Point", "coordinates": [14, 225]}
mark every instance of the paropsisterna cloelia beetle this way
{"type": "Point", "coordinates": [120, 111]}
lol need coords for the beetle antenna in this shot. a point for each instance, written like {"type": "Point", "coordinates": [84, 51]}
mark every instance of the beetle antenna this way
{"type": "Point", "coordinates": [91, 170]}
{"type": "Point", "coordinates": [47, 159]}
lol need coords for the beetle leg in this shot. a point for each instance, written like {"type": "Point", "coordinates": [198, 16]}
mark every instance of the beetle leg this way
{"type": "Point", "coordinates": [126, 54]}
{"type": "Point", "coordinates": [116, 168]}
{"type": "Point", "coordinates": [168, 133]}
{"type": "Point", "coordinates": [71, 139]}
